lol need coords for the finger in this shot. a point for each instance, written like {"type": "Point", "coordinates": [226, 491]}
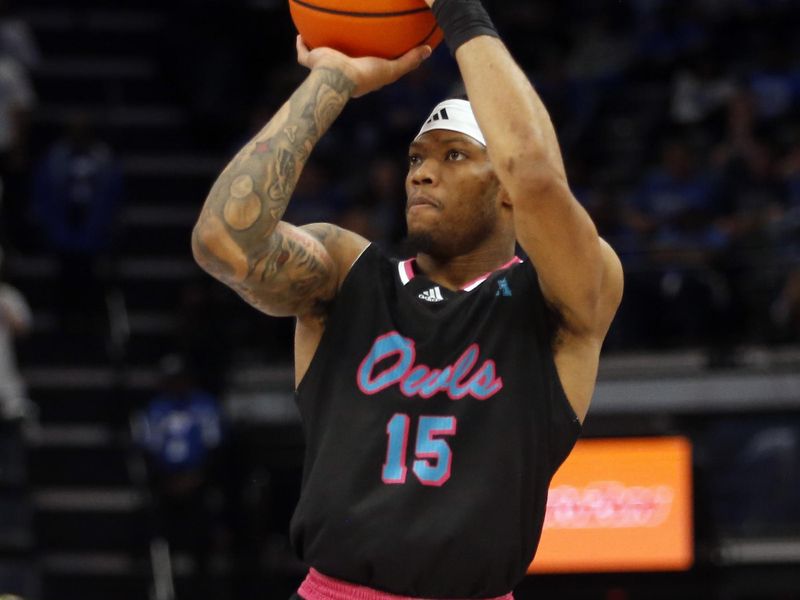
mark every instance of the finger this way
{"type": "Point", "coordinates": [302, 51]}
{"type": "Point", "coordinates": [412, 59]}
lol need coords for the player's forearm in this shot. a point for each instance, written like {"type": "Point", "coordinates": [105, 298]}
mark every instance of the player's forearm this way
{"type": "Point", "coordinates": [249, 198]}
{"type": "Point", "coordinates": [520, 137]}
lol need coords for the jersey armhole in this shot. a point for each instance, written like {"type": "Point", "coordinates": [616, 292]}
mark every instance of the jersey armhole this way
{"type": "Point", "coordinates": [326, 333]}
{"type": "Point", "coordinates": [541, 305]}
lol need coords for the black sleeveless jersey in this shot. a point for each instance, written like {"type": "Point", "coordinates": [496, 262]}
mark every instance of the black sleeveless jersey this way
{"type": "Point", "coordinates": [434, 421]}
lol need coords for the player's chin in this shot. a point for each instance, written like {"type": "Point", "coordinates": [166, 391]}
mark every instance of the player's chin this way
{"type": "Point", "coordinates": [424, 238]}
{"type": "Point", "coordinates": [422, 216]}
{"type": "Point", "coordinates": [420, 227]}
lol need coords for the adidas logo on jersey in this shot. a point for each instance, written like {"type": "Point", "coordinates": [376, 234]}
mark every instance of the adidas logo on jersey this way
{"type": "Point", "coordinates": [432, 295]}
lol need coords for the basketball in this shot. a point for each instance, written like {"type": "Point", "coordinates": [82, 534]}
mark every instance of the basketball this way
{"type": "Point", "coordinates": [384, 28]}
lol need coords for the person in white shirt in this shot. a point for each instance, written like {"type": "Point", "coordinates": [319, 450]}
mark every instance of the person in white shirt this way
{"type": "Point", "coordinates": [15, 320]}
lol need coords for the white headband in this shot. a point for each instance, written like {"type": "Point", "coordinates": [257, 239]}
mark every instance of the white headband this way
{"type": "Point", "coordinates": [454, 115]}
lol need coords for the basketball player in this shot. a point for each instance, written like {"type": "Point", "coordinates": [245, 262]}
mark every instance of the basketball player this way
{"type": "Point", "coordinates": [440, 393]}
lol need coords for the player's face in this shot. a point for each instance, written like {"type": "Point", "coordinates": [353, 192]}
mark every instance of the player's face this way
{"type": "Point", "coordinates": [452, 193]}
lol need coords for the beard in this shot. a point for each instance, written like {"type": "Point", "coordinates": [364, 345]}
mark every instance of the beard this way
{"type": "Point", "coordinates": [420, 242]}
{"type": "Point", "coordinates": [444, 244]}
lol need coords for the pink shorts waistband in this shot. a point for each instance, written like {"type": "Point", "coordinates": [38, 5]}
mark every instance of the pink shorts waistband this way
{"type": "Point", "coordinates": [317, 586]}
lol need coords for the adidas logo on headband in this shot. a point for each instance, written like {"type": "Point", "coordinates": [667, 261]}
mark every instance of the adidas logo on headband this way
{"type": "Point", "coordinates": [442, 114]}
{"type": "Point", "coordinates": [454, 115]}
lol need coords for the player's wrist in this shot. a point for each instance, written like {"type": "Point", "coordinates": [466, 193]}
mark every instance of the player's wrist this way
{"type": "Point", "coordinates": [348, 71]}
{"type": "Point", "coordinates": [462, 21]}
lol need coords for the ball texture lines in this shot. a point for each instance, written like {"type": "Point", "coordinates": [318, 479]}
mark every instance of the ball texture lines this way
{"type": "Point", "coordinates": [384, 28]}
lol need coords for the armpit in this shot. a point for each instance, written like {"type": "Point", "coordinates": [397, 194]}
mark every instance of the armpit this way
{"type": "Point", "coordinates": [556, 324]}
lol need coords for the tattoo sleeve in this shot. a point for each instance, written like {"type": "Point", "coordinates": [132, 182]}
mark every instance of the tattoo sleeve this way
{"type": "Point", "coordinates": [239, 237]}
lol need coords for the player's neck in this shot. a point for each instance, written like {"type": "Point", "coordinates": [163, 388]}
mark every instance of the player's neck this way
{"type": "Point", "coordinates": [456, 272]}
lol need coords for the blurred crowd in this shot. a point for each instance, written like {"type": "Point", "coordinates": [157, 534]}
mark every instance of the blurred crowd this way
{"type": "Point", "coordinates": [679, 122]}
{"type": "Point", "coordinates": [59, 197]}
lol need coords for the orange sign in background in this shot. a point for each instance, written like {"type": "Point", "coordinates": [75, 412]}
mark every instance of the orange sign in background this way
{"type": "Point", "coordinates": [620, 505]}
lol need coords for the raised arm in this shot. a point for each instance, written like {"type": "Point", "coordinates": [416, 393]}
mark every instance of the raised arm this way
{"type": "Point", "coordinates": [579, 275]}
{"type": "Point", "coordinates": [239, 237]}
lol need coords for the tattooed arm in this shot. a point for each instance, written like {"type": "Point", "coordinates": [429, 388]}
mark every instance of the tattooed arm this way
{"type": "Point", "coordinates": [240, 239]}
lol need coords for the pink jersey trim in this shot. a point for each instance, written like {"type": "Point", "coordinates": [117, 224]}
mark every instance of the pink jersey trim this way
{"type": "Point", "coordinates": [476, 282]}
{"type": "Point", "coordinates": [406, 270]}
{"type": "Point", "coordinates": [321, 587]}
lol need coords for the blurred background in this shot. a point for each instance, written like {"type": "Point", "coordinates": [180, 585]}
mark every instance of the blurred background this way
{"type": "Point", "coordinates": [149, 445]}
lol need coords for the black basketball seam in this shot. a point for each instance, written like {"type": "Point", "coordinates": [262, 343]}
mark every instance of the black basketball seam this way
{"type": "Point", "coordinates": [334, 11]}
{"type": "Point", "coordinates": [423, 40]}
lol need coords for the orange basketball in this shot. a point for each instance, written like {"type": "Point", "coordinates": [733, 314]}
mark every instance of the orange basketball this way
{"type": "Point", "coordinates": [385, 28]}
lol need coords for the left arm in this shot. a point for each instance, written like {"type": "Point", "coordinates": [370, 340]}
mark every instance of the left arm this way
{"type": "Point", "coordinates": [551, 226]}
{"type": "Point", "coordinates": [579, 275]}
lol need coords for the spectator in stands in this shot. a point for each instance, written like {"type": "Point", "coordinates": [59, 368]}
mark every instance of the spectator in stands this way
{"type": "Point", "coordinates": [76, 199]}
{"type": "Point", "coordinates": [17, 413]}
{"type": "Point", "coordinates": [16, 38]}
{"type": "Point", "coordinates": [181, 433]}
{"type": "Point", "coordinates": [17, 100]}
{"type": "Point", "coordinates": [674, 205]}
{"type": "Point", "coordinates": [774, 83]}
{"type": "Point", "coordinates": [673, 212]}
{"type": "Point", "coordinates": [15, 320]}
{"type": "Point", "coordinates": [701, 92]}
{"type": "Point", "coordinates": [753, 198]}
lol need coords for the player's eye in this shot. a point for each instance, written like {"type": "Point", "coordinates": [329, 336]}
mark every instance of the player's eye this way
{"type": "Point", "coordinates": [414, 160]}
{"type": "Point", "coordinates": [455, 155]}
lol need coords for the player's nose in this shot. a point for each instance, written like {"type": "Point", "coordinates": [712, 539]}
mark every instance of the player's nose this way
{"type": "Point", "coordinates": [426, 173]}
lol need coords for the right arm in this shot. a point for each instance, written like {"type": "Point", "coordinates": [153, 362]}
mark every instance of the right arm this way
{"type": "Point", "coordinates": [240, 239]}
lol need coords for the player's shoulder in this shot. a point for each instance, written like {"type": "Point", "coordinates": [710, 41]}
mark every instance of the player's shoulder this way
{"type": "Point", "coordinates": [522, 272]}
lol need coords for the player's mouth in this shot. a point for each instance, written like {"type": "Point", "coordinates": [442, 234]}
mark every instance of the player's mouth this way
{"type": "Point", "coordinates": [421, 201]}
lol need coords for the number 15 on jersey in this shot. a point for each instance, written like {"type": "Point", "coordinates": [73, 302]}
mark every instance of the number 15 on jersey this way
{"type": "Point", "coordinates": [433, 454]}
